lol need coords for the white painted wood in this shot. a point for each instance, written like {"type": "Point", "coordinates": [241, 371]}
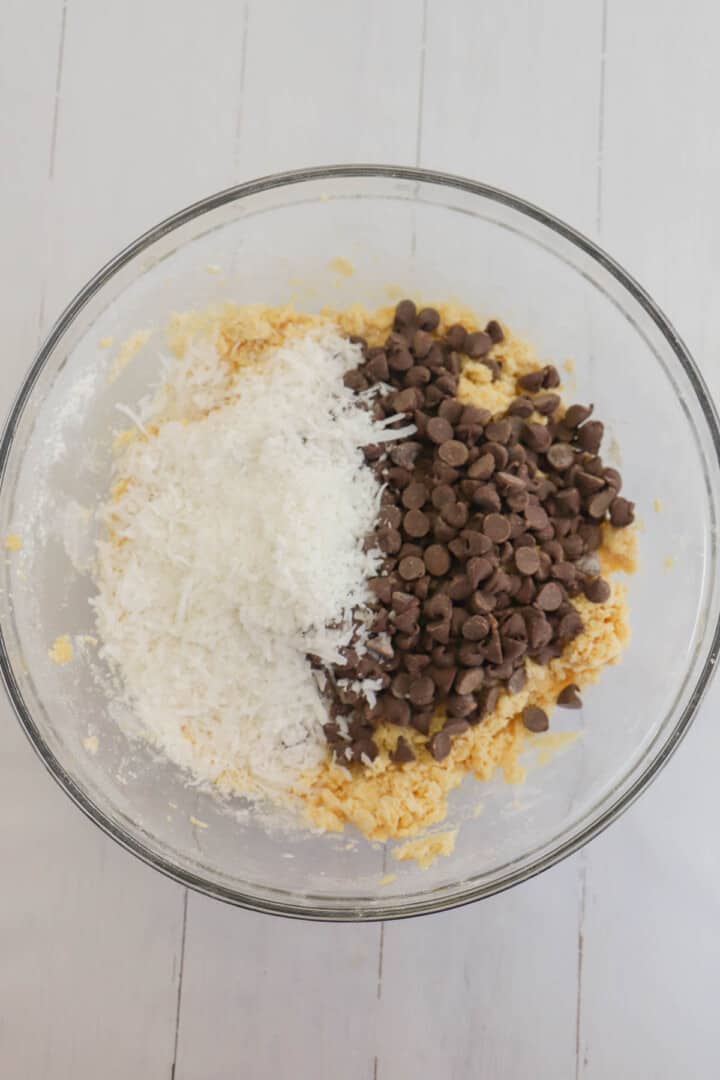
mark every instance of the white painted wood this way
{"type": "Point", "coordinates": [651, 959]}
{"type": "Point", "coordinates": [329, 81]}
{"type": "Point", "coordinates": [270, 998]}
{"type": "Point", "coordinates": [91, 940]}
{"type": "Point", "coordinates": [651, 964]}
{"type": "Point", "coordinates": [511, 97]}
{"type": "Point", "coordinates": [317, 92]}
{"type": "Point", "coordinates": [153, 106]}
{"type": "Point", "coordinates": [146, 124]}
{"type": "Point", "coordinates": [493, 991]}
{"type": "Point", "coordinates": [487, 991]}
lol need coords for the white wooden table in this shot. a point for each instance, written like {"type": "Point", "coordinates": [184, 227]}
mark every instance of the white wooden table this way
{"type": "Point", "coordinates": [114, 114]}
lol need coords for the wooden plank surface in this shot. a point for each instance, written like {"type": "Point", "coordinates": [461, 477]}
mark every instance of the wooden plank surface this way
{"type": "Point", "coordinates": [651, 969]}
{"type": "Point", "coordinates": [113, 116]}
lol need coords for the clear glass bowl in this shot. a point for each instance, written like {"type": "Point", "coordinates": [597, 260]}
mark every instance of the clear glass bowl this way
{"type": "Point", "coordinates": [430, 236]}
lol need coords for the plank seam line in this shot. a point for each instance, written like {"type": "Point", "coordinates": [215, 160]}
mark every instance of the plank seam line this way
{"type": "Point", "coordinates": [580, 961]}
{"type": "Point", "coordinates": [421, 87]}
{"type": "Point", "coordinates": [181, 972]}
{"type": "Point", "coordinates": [601, 120]}
{"type": "Point", "coordinates": [58, 88]}
{"type": "Point", "coordinates": [241, 93]}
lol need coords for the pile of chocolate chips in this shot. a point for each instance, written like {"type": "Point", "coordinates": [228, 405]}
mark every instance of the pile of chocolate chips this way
{"type": "Point", "coordinates": [488, 527]}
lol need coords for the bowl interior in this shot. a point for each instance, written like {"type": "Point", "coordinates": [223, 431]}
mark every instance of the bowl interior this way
{"type": "Point", "coordinates": [403, 235]}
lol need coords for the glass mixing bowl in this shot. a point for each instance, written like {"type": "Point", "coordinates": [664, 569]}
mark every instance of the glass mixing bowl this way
{"type": "Point", "coordinates": [405, 232]}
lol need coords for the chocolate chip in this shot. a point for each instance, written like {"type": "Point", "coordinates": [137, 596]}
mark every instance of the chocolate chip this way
{"type": "Point", "coordinates": [488, 700]}
{"type": "Point", "coordinates": [414, 496]}
{"type": "Point", "coordinates": [486, 498]}
{"type": "Point", "coordinates": [422, 690]}
{"type": "Point", "coordinates": [405, 400]}
{"type": "Point", "coordinates": [570, 626]}
{"type": "Point", "coordinates": [442, 494]}
{"type": "Point", "coordinates": [403, 752]}
{"type": "Point", "coordinates": [437, 560]}
{"type": "Point", "coordinates": [510, 485]}
{"type": "Point", "coordinates": [443, 677]}
{"type": "Point", "coordinates": [526, 592]}
{"type": "Point", "coordinates": [460, 704]}
{"type": "Point", "coordinates": [455, 336]}
{"type": "Point", "coordinates": [622, 512]}
{"type": "Point", "coordinates": [394, 710]}
{"type": "Point", "coordinates": [535, 719]}
{"type": "Point", "coordinates": [477, 344]}
{"type": "Point", "coordinates": [476, 542]}
{"type": "Point", "coordinates": [400, 360]}
{"type": "Point", "coordinates": [405, 454]}
{"type": "Point", "coordinates": [612, 478]}
{"type": "Point", "coordinates": [522, 407]}
{"type": "Point", "coordinates": [468, 681]}
{"type": "Point", "coordinates": [405, 315]}
{"type": "Point", "coordinates": [451, 410]}
{"type": "Point", "coordinates": [546, 404]}
{"type": "Point", "coordinates": [478, 568]}
{"type": "Point", "coordinates": [597, 590]}
{"type": "Point", "coordinates": [598, 505]}
{"type": "Point", "coordinates": [453, 453]}
{"type": "Point", "coordinates": [421, 721]}
{"type": "Point", "coordinates": [455, 514]}
{"type": "Point", "coordinates": [535, 517]}
{"type": "Point", "coordinates": [587, 483]}
{"type": "Point", "coordinates": [443, 532]}
{"type": "Point", "coordinates": [532, 381]}
{"type": "Point", "coordinates": [428, 318]}
{"type": "Point", "coordinates": [400, 685]}
{"type": "Point", "coordinates": [540, 631]}
{"type": "Point", "coordinates": [494, 331]}
{"type": "Point", "coordinates": [499, 431]}
{"type": "Point", "coordinates": [455, 726]}
{"type": "Point", "coordinates": [440, 745]}
{"type": "Point", "coordinates": [439, 430]}
{"type": "Point", "coordinates": [590, 435]}
{"type": "Point", "coordinates": [389, 541]}
{"type": "Point", "coordinates": [498, 452]}
{"type": "Point", "coordinates": [422, 343]}
{"type": "Point", "coordinates": [565, 573]}
{"type": "Point", "coordinates": [573, 546]}
{"type": "Point", "coordinates": [438, 606]}
{"type": "Point", "coordinates": [576, 415]}
{"type": "Point", "coordinates": [549, 598]}
{"type": "Point", "coordinates": [515, 503]}
{"type": "Point", "coordinates": [569, 697]}
{"type": "Point", "coordinates": [411, 568]}
{"type": "Point", "coordinates": [561, 456]}
{"type": "Point", "coordinates": [460, 588]}
{"type": "Point", "coordinates": [475, 628]}
{"type": "Point", "coordinates": [473, 416]}
{"type": "Point", "coordinates": [496, 527]}
{"type": "Point", "coordinates": [517, 681]}
{"type": "Point", "coordinates": [416, 524]}
{"type": "Point", "coordinates": [355, 380]}
{"type": "Point", "coordinates": [409, 548]}
{"type": "Point", "coordinates": [568, 502]}
{"type": "Point", "coordinates": [364, 749]}
{"type": "Point", "coordinates": [527, 560]}
{"type": "Point", "coordinates": [417, 376]}
{"type": "Point", "coordinates": [535, 436]}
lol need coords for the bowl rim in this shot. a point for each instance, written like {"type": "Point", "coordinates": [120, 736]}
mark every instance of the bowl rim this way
{"type": "Point", "coordinates": [324, 910]}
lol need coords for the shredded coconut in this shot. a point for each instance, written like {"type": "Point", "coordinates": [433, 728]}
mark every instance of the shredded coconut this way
{"type": "Point", "coordinates": [235, 548]}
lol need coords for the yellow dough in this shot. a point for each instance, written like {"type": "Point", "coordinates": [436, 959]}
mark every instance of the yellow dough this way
{"type": "Point", "coordinates": [383, 800]}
